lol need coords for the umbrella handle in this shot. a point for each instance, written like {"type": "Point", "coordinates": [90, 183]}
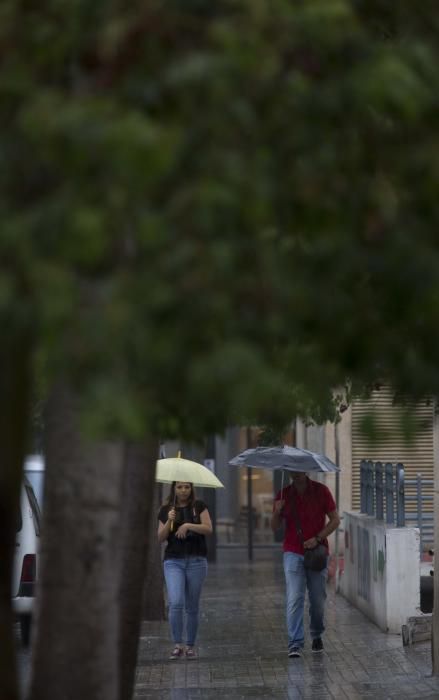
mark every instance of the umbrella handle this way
{"type": "Point", "coordinates": [175, 502]}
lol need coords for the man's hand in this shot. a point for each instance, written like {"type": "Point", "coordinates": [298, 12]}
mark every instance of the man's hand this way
{"type": "Point", "coordinates": [278, 507]}
{"type": "Point", "coordinates": [311, 543]}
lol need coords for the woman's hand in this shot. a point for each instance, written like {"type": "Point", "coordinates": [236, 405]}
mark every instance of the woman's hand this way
{"type": "Point", "coordinates": [165, 529]}
{"type": "Point", "coordinates": [311, 543]}
{"type": "Point", "coordinates": [182, 531]}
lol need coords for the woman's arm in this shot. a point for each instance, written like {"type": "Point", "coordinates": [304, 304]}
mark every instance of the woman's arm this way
{"type": "Point", "coordinates": [204, 528]}
{"type": "Point", "coordinates": [165, 528]}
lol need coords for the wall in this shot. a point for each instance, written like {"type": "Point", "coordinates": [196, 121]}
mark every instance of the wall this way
{"type": "Point", "coordinates": [381, 570]}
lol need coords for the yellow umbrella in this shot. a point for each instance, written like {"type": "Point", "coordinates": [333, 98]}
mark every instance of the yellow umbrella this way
{"type": "Point", "coordinates": [172, 469]}
{"type": "Point", "coordinates": [178, 469]}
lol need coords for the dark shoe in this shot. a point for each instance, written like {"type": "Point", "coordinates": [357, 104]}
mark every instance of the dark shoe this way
{"type": "Point", "coordinates": [176, 653]}
{"type": "Point", "coordinates": [295, 653]}
{"type": "Point", "coordinates": [191, 653]}
{"type": "Point", "coordinates": [317, 645]}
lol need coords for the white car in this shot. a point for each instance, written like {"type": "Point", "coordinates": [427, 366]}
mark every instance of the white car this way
{"type": "Point", "coordinates": [34, 472]}
{"type": "Point", "coordinates": [25, 569]}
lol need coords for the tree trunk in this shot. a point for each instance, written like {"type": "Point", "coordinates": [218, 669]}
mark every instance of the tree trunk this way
{"type": "Point", "coordinates": [153, 590]}
{"type": "Point", "coordinates": [15, 393]}
{"type": "Point", "coordinates": [75, 650]}
{"type": "Point", "coordinates": [138, 489]}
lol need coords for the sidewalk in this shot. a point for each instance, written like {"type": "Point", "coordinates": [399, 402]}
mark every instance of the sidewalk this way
{"type": "Point", "coordinates": [242, 647]}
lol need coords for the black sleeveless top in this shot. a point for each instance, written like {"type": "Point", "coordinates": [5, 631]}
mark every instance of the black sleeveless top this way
{"type": "Point", "coordinates": [194, 544]}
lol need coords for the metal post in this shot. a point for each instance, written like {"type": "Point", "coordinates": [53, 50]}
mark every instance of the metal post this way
{"type": "Point", "coordinates": [379, 491]}
{"type": "Point", "coordinates": [249, 515]}
{"type": "Point", "coordinates": [210, 499]}
{"type": "Point", "coordinates": [337, 503]}
{"type": "Point", "coordinates": [363, 486]}
{"type": "Point", "coordinates": [278, 483]}
{"type": "Point", "coordinates": [249, 503]}
{"type": "Point", "coordinates": [390, 513]}
{"type": "Point", "coordinates": [419, 508]}
{"type": "Point", "coordinates": [369, 491]}
{"type": "Point", "coordinates": [435, 617]}
{"type": "Point", "coordinates": [400, 512]}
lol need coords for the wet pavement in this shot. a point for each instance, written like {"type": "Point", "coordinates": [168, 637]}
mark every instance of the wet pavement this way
{"type": "Point", "coordinates": [242, 647]}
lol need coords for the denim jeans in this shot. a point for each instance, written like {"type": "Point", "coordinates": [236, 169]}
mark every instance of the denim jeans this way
{"type": "Point", "coordinates": [297, 579]}
{"type": "Point", "coordinates": [184, 579]}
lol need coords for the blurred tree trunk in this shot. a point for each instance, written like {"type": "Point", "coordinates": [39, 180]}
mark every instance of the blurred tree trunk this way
{"type": "Point", "coordinates": [153, 591]}
{"type": "Point", "coordinates": [14, 392]}
{"type": "Point", "coordinates": [75, 645]}
{"type": "Point", "coordinates": [138, 489]}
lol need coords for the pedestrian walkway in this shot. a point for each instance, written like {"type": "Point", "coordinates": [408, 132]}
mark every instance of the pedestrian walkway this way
{"type": "Point", "coordinates": [243, 654]}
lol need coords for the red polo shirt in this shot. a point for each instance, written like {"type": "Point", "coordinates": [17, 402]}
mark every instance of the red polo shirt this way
{"type": "Point", "coordinates": [312, 507]}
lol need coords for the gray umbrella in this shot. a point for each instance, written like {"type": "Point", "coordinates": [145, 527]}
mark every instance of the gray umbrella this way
{"type": "Point", "coordinates": [293, 459]}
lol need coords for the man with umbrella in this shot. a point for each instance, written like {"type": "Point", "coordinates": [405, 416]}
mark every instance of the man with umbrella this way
{"type": "Point", "coordinates": [309, 513]}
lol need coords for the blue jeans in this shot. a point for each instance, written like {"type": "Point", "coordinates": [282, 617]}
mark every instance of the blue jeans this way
{"type": "Point", "coordinates": [184, 579]}
{"type": "Point", "coordinates": [297, 579]}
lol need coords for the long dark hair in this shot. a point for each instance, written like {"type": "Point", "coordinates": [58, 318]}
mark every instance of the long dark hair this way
{"type": "Point", "coordinates": [171, 497]}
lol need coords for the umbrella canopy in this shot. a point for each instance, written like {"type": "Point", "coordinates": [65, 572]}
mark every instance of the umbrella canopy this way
{"type": "Point", "coordinates": [179, 469]}
{"type": "Point", "coordinates": [293, 459]}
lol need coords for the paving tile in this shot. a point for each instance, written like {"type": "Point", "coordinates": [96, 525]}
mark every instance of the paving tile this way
{"type": "Point", "coordinates": [242, 647]}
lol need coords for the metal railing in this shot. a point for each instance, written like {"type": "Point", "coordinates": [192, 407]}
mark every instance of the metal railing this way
{"type": "Point", "coordinates": [383, 495]}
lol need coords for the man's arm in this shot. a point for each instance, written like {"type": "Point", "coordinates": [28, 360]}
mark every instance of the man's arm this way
{"type": "Point", "coordinates": [331, 525]}
{"type": "Point", "coordinates": [277, 517]}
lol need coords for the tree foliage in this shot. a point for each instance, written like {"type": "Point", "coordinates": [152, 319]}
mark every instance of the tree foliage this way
{"type": "Point", "coordinates": [221, 193]}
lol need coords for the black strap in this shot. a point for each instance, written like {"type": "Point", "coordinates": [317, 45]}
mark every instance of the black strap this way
{"type": "Point", "coordinates": [296, 517]}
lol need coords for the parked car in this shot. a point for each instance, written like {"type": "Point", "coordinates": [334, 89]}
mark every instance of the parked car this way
{"type": "Point", "coordinates": [25, 569]}
{"type": "Point", "coordinates": [34, 472]}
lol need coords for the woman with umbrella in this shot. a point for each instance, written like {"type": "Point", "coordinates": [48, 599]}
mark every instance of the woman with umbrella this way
{"type": "Point", "coordinates": [184, 523]}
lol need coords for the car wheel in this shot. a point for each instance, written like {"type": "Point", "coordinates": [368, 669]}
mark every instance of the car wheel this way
{"type": "Point", "coordinates": [25, 628]}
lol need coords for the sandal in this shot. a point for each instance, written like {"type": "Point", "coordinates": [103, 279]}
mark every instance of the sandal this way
{"type": "Point", "coordinates": [176, 653]}
{"type": "Point", "coordinates": [191, 653]}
